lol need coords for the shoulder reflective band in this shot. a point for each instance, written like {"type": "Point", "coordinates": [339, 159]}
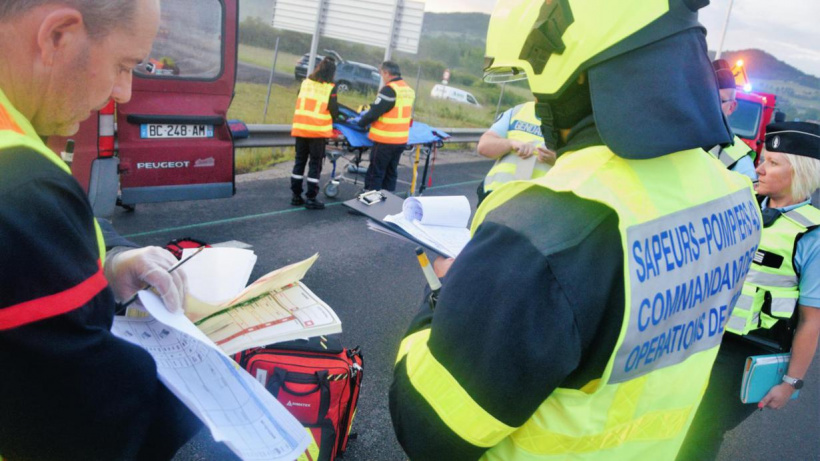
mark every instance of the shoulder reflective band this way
{"type": "Point", "coordinates": [53, 305]}
{"type": "Point", "coordinates": [449, 400]}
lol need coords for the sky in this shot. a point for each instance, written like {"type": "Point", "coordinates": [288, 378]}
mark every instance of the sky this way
{"type": "Point", "coordinates": [787, 29]}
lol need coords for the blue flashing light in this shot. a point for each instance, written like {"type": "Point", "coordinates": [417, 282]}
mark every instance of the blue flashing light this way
{"type": "Point", "coordinates": [747, 87]}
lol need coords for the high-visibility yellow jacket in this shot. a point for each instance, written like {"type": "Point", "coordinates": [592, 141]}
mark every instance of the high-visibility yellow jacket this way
{"type": "Point", "coordinates": [524, 127]}
{"type": "Point", "coordinates": [675, 247]}
{"type": "Point", "coordinates": [16, 131]}
{"type": "Point", "coordinates": [312, 119]}
{"type": "Point", "coordinates": [393, 127]}
{"type": "Point", "coordinates": [771, 288]}
{"type": "Point", "coordinates": [729, 155]}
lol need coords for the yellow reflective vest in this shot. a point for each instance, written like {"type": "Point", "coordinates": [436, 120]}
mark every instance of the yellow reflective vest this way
{"type": "Point", "coordinates": [393, 127]}
{"type": "Point", "coordinates": [524, 127]}
{"type": "Point", "coordinates": [16, 131]}
{"type": "Point", "coordinates": [729, 155]}
{"type": "Point", "coordinates": [674, 248]}
{"type": "Point", "coordinates": [771, 289]}
{"type": "Point", "coordinates": [312, 119]}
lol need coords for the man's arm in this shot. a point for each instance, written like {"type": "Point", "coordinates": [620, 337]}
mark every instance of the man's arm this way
{"type": "Point", "coordinates": [333, 104]}
{"type": "Point", "coordinates": [491, 145]}
{"type": "Point", "coordinates": [385, 101]}
{"type": "Point", "coordinates": [505, 333]}
{"type": "Point", "coordinates": [78, 391]}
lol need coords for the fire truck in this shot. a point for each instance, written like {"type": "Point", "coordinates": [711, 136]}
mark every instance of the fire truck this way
{"type": "Point", "coordinates": [171, 141]}
{"type": "Point", "coordinates": [754, 111]}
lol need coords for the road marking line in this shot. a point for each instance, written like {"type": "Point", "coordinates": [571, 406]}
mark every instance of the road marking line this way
{"type": "Point", "coordinates": [268, 214]}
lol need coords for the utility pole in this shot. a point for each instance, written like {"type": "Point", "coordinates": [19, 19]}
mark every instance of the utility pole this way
{"type": "Point", "coordinates": [725, 26]}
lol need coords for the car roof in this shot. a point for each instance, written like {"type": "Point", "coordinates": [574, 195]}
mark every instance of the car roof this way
{"type": "Point", "coordinates": [367, 66]}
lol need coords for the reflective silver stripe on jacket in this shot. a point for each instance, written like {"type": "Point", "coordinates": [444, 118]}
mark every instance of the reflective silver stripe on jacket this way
{"type": "Point", "coordinates": [736, 324]}
{"type": "Point", "coordinates": [798, 217]}
{"type": "Point", "coordinates": [744, 302]}
{"type": "Point", "coordinates": [726, 159]}
{"type": "Point", "coordinates": [771, 280]}
{"type": "Point", "coordinates": [783, 307]}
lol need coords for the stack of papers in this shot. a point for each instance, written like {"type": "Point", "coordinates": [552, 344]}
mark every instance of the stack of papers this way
{"type": "Point", "coordinates": [234, 406]}
{"type": "Point", "coordinates": [438, 223]}
{"type": "Point", "coordinates": [223, 317]}
{"type": "Point", "coordinates": [277, 307]}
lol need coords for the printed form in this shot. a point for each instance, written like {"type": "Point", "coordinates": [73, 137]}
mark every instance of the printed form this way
{"type": "Point", "coordinates": [237, 409]}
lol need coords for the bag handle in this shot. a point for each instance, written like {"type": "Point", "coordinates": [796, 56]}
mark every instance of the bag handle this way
{"type": "Point", "coordinates": [279, 381]}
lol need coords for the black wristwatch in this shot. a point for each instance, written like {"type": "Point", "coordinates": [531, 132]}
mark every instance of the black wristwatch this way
{"type": "Point", "coordinates": [796, 383]}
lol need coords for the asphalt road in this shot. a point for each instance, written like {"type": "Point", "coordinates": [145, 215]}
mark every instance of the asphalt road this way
{"type": "Point", "coordinates": [374, 284]}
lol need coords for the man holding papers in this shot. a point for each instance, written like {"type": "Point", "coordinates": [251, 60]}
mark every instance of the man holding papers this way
{"type": "Point", "coordinates": [550, 339]}
{"type": "Point", "coordinates": [69, 388]}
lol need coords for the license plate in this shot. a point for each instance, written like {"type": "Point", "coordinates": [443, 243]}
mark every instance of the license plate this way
{"type": "Point", "coordinates": [164, 131]}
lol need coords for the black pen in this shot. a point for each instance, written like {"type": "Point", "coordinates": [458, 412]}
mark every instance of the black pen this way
{"type": "Point", "coordinates": [121, 307]}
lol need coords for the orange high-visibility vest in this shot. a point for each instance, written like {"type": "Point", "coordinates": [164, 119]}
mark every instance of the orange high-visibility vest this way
{"type": "Point", "coordinates": [312, 119]}
{"type": "Point", "coordinates": [394, 126]}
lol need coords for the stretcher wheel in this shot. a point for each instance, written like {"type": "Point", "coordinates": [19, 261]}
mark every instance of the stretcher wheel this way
{"type": "Point", "coordinates": [331, 189]}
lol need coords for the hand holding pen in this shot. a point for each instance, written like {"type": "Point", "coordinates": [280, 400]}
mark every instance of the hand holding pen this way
{"type": "Point", "coordinates": [131, 271]}
{"type": "Point", "coordinates": [430, 275]}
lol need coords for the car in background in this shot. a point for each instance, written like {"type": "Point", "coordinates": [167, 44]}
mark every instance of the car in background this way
{"type": "Point", "coordinates": [350, 75]}
{"type": "Point", "coordinates": [450, 93]}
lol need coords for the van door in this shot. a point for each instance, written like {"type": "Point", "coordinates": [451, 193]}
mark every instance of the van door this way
{"type": "Point", "coordinates": [173, 136]}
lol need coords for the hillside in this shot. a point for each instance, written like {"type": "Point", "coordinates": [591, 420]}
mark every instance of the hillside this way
{"type": "Point", "coordinates": [760, 65]}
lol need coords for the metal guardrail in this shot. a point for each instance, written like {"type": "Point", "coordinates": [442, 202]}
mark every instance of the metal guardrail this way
{"type": "Point", "coordinates": [279, 136]}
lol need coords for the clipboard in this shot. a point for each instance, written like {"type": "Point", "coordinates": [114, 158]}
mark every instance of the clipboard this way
{"type": "Point", "coordinates": [377, 211]}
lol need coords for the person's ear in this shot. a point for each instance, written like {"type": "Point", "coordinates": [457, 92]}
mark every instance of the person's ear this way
{"type": "Point", "coordinates": [60, 30]}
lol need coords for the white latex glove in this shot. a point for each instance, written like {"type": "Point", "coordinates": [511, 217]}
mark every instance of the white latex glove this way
{"type": "Point", "coordinates": [130, 271]}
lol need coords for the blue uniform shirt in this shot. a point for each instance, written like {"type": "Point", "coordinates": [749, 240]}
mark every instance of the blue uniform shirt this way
{"type": "Point", "coordinates": [502, 123]}
{"type": "Point", "coordinates": [745, 166]}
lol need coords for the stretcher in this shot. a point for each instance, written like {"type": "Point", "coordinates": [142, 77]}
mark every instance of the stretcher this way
{"type": "Point", "coordinates": [350, 142]}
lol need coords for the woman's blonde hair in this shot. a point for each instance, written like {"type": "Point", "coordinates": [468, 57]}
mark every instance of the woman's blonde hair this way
{"type": "Point", "coordinates": [805, 175]}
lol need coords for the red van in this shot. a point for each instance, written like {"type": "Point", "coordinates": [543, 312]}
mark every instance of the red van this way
{"type": "Point", "coordinates": [171, 141]}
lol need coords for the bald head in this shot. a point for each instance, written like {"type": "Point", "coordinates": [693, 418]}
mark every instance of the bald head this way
{"type": "Point", "coordinates": [72, 56]}
{"type": "Point", "coordinates": [100, 17]}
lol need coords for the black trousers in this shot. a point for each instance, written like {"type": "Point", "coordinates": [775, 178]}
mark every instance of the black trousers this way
{"type": "Point", "coordinates": [310, 151]}
{"type": "Point", "coordinates": [721, 409]}
{"type": "Point", "coordinates": [383, 170]}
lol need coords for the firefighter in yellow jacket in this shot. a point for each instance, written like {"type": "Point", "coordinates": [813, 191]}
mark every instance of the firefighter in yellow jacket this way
{"type": "Point", "coordinates": [389, 118]}
{"type": "Point", "coordinates": [581, 321]}
{"type": "Point", "coordinates": [316, 109]}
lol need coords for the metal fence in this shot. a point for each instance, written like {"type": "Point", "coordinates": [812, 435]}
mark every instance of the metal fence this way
{"type": "Point", "coordinates": [279, 136]}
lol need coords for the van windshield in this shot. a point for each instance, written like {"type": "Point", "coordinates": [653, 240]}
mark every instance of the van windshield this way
{"type": "Point", "coordinates": [745, 121]}
{"type": "Point", "coordinates": [188, 43]}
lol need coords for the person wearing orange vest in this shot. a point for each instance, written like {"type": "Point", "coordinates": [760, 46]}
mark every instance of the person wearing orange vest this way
{"type": "Point", "coordinates": [389, 117]}
{"type": "Point", "coordinates": [316, 108]}
{"type": "Point", "coordinates": [70, 389]}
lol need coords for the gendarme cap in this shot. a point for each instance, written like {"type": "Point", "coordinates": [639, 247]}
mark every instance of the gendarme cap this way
{"type": "Point", "coordinates": [796, 138]}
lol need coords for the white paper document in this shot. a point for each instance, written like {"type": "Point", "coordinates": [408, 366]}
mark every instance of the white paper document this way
{"type": "Point", "coordinates": [447, 211]}
{"type": "Point", "coordinates": [439, 223]}
{"type": "Point", "coordinates": [217, 274]}
{"type": "Point", "coordinates": [236, 408]}
{"type": "Point", "coordinates": [276, 307]}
